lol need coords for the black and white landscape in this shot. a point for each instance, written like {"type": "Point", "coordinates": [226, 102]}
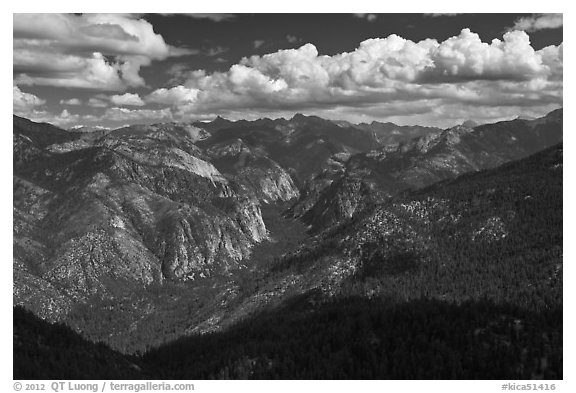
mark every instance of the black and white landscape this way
{"type": "Point", "coordinates": [253, 196]}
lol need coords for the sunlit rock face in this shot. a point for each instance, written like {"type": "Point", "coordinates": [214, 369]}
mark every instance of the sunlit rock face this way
{"type": "Point", "coordinates": [131, 207]}
{"type": "Point", "coordinates": [251, 168]}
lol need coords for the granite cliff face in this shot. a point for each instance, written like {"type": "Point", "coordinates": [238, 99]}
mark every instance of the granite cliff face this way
{"type": "Point", "coordinates": [136, 207]}
{"type": "Point", "coordinates": [257, 173]}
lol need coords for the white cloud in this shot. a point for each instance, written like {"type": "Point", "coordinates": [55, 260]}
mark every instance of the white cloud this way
{"type": "Point", "coordinates": [33, 67]}
{"type": "Point", "coordinates": [127, 99]}
{"type": "Point", "coordinates": [258, 43]}
{"type": "Point", "coordinates": [113, 117]}
{"type": "Point", "coordinates": [466, 57]}
{"type": "Point", "coordinates": [382, 78]}
{"type": "Point", "coordinates": [539, 22]}
{"type": "Point", "coordinates": [178, 73]}
{"type": "Point", "coordinates": [383, 72]}
{"type": "Point", "coordinates": [71, 101]}
{"type": "Point", "coordinates": [64, 119]}
{"type": "Point", "coordinates": [97, 103]}
{"type": "Point", "coordinates": [137, 115]}
{"type": "Point", "coordinates": [23, 103]}
{"type": "Point", "coordinates": [174, 96]}
{"type": "Point", "coordinates": [95, 51]}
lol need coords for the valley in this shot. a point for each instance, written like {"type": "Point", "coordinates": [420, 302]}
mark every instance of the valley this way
{"type": "Point", "coordinates": [178, 240]}
{"type": "Point", "coordinates": [158, 314]}
{"type": "Point", "coordinates": [289, 196]}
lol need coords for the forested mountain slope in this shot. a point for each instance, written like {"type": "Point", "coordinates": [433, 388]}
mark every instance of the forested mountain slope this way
{"type": "Point", "coordinates": [381, 173]}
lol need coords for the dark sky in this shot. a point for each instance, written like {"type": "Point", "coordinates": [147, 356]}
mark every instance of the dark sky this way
{"type": "Point", "coordinates": [331, 33]}
{"type": "Point", "coordinates": [414, 68]}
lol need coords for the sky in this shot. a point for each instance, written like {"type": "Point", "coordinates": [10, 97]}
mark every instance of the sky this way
{"type": "Point", "coordinates": [429, 69]}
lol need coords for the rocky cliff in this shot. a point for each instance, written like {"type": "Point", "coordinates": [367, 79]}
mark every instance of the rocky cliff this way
{"type": "Point", "coordinates": [129, 208]}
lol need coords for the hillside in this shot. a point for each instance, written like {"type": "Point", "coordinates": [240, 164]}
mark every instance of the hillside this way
{"type": "Point", "coordinates": [50, 351]}
{"type": "Point", "coordinates": [134, 208]}
{"type": "Point", "coordinates": [382, 173]}
{"type": "Point", "coordinates": [345, 339]}
{"type": "Point", "coordinates": [100, 214]}
{"type": "Point", "coordinates": [163, 235]}
{"type": "Point", "coordinates": [305, 145]}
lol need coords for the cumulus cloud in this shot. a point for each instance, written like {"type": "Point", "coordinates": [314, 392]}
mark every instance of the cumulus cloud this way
{"type": "Point", "coordinates": [467, 57]}
{"type": "Point", "coordinates": [32, 67]}
{"type": "Point", "coordinates": [383, 78]}
{"type": "Point", "coordinates": [64, 119]}
{"type": "Point", "coordinates": [127, 99]}
{"type": "Point", "coordinates": [97, 103]}
{"type": "Point", "coordinates": [94, 51]}
{"type": "Point", "coordinates": [71, 101]}
{"type": "Point", "coordinates": [381, 73]}
{"type": "Point", "coordinates": [137, 115]}
{"type": "Point", "coordinates": [174, 96]}
{"type": "Point", "coordinates": [23, 103]}
{"type": "Point", "coordinates": [258, 43]}
{"type": "Point", "coordinates": [178, 73]}
{"type": "Point", "coordinates": [114, 117]}
{"type": "Point", "coordinates": [539, 22]}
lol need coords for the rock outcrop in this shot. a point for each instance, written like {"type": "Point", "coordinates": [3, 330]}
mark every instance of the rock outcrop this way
{"type": "Point", "coordinates": [130, 208]}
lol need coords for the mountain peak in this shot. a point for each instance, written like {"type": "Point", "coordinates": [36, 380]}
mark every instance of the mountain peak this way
{"type": "Point", "coordinates": [298, 117]}
{"type": "Point", "coordinates": [555, 114]}
{"type": "Point", "coordinates": [220, 119]}
{"type": "Point", "coordinates": [470, 124]}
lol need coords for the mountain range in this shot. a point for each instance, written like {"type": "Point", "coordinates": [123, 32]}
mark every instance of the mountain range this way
{"type": "Point", "coordinates": [226, 236]}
